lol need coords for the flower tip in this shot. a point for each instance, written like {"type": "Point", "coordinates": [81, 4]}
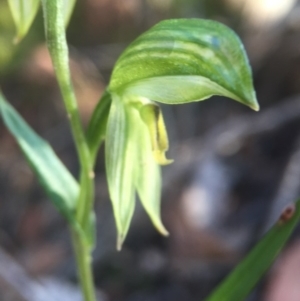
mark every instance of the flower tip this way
{"type": "Point", "coordinates": [163, 231]}
{"type": "Point", "coordinates": [161, 159]}
{"type": "Point", "coordinates": [120, 241]}
{"type": "Point", "coordinates": [254, 106]}
{"type": "Point", "coordinates": [160, 227]}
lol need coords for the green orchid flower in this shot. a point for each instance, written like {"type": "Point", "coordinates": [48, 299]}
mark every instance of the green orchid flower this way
{"type": "Point", "coordinates": [175, 62]}
{"type": "Point", "coordinates": [136, 143]}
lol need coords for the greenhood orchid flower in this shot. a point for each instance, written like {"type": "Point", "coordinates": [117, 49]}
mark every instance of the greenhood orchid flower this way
{"type": "Point", "coordinates": [136, 143]}
{"type": "Point", "coordinates": [175, 62]}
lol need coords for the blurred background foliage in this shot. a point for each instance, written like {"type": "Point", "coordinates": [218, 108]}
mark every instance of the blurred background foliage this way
{"type": "Point", "coordinates": [233, 173]}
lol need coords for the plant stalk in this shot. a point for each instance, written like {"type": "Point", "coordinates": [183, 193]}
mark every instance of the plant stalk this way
{"type": "Point", "coordinates": [57, 46]}
{"type": "Point", "coordinates": [84, 266]}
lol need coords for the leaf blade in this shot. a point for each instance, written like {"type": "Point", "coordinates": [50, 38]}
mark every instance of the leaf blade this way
{"type": "Point", "coordinates": [23, 12]}
{"type": "Point", "coordinates": [242, 280]}
{"type": "Point", "coordinates": [58, 183]}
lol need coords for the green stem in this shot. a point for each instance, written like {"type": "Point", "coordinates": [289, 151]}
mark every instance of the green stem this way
{"type": "Point", "coordinates": [57, 45]}
{"type": "Point", "coordinates": [58, 49]}
{"type": "Point", "coordinates": [83, 260]}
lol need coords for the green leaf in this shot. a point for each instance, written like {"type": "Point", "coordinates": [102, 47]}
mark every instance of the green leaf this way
{"type": "Point", "coordinates": [68, 7]}
{"type": "Point", "coordinates": [242, 280]}
{"type": "Point", "coordinates": [185, 60]}
{"type": "Point", "coordinates": [57, 181]}
{"type": "Point", "coordinates": [96, 130]}
{"type": "Point", "coordinates": [23, 12]}
{"type": "Point", "coordinates": [120, 160]}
